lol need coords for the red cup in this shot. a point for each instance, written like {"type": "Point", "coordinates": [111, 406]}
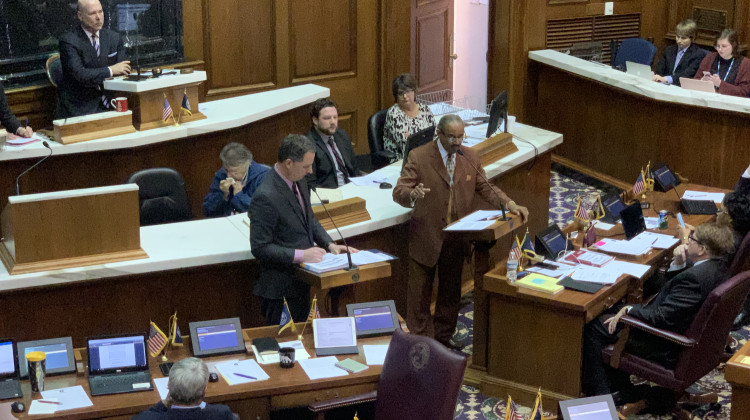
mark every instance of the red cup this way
{"type": "Point", "coordinates": [120, 104]}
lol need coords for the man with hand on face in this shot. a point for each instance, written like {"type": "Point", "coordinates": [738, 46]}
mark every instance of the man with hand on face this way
{"type": "Point", "coordinates": [284, 231]}
{"type": "Point", "coordinates": [234, 184]}
{"type": "Point", "coordinates": [89, 53]}
{"type": "Point", "coordinates": [440, 185]}
{"type": "Point", "coordinates": [334, 157]}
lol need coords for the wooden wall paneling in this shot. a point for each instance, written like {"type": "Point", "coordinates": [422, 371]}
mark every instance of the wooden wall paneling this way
{"type": "Point", "coordinates": [240, 41]}
{"type": "Point", "coordinates": [192, 23]}
{"type": "Point", "coordinates": [432, 21]}
{"type": "Point", "coordinates": [395, 35]}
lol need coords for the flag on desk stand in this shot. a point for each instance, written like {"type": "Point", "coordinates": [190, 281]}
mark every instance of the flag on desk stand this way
{"type": "Point", "coordinates": [515, 249]}
{"type": "Point", "coordinates": [286, 319]}
{"type": "Point", "coordinates": [582, 213]}
{"type": "Point", "coordinates": [537, 413]}
{"type": "Point", "coordinates": [167, 112]}
{"type": "Point", "coordinates": [314, 313]}
{"type": "Point", "coordinates": [511, 411]}
{"type": "Point", "coordinates": [527, 246]}
{"type": "Point", "coordinates": [175, 337]}
{"type": "Point", "coordinates": [186, 104]}
{"type": "Point", "coordinates": [639, 186]}
{"type": "Point", "coordinates": [156, 340]}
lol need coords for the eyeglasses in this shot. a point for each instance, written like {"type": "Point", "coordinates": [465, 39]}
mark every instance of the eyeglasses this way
{"type": "Point", "coordinates": [692, 238]}
{"type": "Point", "coordinates": [405, 92]}
{"type": "Point", "coordinates": [457, 139]}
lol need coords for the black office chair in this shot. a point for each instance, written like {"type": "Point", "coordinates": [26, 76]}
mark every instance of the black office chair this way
{"type": "Point", "coordinates": [162, 196]}
{"type": "Point", "coordinates": [378, 155]}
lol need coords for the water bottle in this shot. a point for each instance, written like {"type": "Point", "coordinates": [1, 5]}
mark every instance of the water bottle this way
{"type": "Point", "coordinates": [512, 268]}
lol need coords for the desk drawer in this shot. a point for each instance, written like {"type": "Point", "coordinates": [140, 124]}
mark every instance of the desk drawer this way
{"type": "Point", "coordinates": [301, 399]}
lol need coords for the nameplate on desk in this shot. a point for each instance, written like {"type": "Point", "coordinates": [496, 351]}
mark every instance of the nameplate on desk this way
{"type": "Point", "coordinates": [495, 148]}
{"type": "Point", "coordinates": [94, 126]}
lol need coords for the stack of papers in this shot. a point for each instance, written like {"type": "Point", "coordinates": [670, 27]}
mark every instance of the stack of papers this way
{"type": "Point", "coordinates": [623, 247]}
{"type": "Point", "coordinates": [68, 398]}
{"type": "Point", "coordinates": [373, 180]}
{"type": "Point", "coordinates": [479, 220]}
{"type": "Point", "coordinates": [299, 353]}
{"type": "Point", "coordinates": [594, 259]}
{"type": "Point", "coordinates": [322, 367]}
{"type": "Point", "coordinates": [656, 240]}
{"type": "Point", "coordinates": [332, 262]}
{"type": "Point", "coordinates": [700, 195]}
{"type": "Point", "coordinates": [557, 270]}
{"type": "Point", "coordinates": [241, 372]}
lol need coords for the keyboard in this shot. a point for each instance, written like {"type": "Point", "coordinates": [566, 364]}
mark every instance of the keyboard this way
{"type": "Point", "coordinates": [698, 206]}
{"type": "Point", "coordinates": [10, 388]}
{"type": "Point", "coordinates": [117, 383]}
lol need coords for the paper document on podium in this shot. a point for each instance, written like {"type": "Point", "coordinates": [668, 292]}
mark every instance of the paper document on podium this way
{"type": "Point", "coordinates": [333, 262]}
{"type": "Point", "coordinates": [479, 220]}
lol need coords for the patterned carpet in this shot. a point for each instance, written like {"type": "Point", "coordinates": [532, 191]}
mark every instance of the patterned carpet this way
{"type": "Point", "coordinates": [472, 405]}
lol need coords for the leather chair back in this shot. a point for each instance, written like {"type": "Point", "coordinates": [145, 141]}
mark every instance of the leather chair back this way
{"type": "Point", "coordinates": [636, 50]}
{"type": "Point", "coordinates": [375, 126]}
{"type": "Point", "coordinates": [420, 379]}
{"type": "Point", "coordinates": [162, 196]}
{"type": "Point", "coordinates": [741, 261]}
{"type": "Point", "coordinates": [54, 69]}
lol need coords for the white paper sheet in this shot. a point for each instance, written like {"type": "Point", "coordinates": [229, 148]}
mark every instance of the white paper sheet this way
{"type": "Point", "coordinates": [161, 386]}
{"type": "Point", "coordinates": [322, 367]}
{"type": "Point", "coordinates": [69, 398]}
{"type": "Point", "coordinates": [651, 222]}
{"type": "Point", "coordinates": [656, 240]}
{"type": "Point", "coordinates": [241, 372]}
{"type": "Point", "coordinates": [625, 267]}
{"type": "Point", "coordinates": [39, 407]}
{"type": "Point", "coordinates": [558, 271]}
{"type": "Point", "coordinates": [372, 179]}
{"type": "Point", "coordinates": [595, 274]}
{"type": "Point", "coordinates": [299, 349]}
{"type": "Point", "coordinates": [602, 225]}
{"type": "Point", "coordinates": [701, 195]}
{"type": "Point", "coordinates": [333, 262]}
{"type": "Point", "coordinates": [375, 353]}
{"type": "Point", "coordinates": [622, 247]}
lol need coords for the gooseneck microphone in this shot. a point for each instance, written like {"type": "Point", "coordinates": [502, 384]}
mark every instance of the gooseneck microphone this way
{"type": "Point", "coordinates": [18, 191]}
{"type": "Point", "coordinates": [352, 266]}
{"type": "Point", "coordinates": [502, 208]}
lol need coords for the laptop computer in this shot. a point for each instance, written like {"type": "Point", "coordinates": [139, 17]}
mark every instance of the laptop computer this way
{"type": "Point", "coordinates": [10, 386]}
{"type": "Point", "coordinates": [695, 84]}
{"type": "Point", "coordinates": [601, 407]}
{"type": "Point", "coordinates": [639, 70]}
{"type": "Point", "coordinates": [118, 364]}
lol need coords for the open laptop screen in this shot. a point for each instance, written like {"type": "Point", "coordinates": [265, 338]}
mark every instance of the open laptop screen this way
{"type": "Point", "coordinates": [117, 354]}
{"type": "Point", "coordinates": [7, 361]}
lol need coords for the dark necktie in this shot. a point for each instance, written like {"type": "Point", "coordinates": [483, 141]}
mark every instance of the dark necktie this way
{"type": "Point", "coordinates": [339, 161]}
{"type": "Point", "coordinates": [299, 197]}
{"type": "Point", "coordinates": [95, 43]}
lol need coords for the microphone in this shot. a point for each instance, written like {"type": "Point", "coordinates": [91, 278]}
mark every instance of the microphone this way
{"type": "Point", "coordinates": [502, 208]}
{"type": "Point", "coordinates": [351, 267]}
{"type": "Point", "coordinates": [18, 192]}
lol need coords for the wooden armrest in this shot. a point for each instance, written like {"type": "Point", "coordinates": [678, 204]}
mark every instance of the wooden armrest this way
{"type": "Point", "coordinates": [343, 402]}
{"type": "Point", "coordinates": [667, 335]}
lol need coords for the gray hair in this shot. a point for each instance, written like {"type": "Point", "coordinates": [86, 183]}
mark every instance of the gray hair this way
{"type": "Point", "coordinates": [235, 154]}
{"type": "Point", "coordinates": [448, 119]}
{"type": "Point", "coordinates": [187, 381]}
{"type": "Point", "coordinates": [295, 147]}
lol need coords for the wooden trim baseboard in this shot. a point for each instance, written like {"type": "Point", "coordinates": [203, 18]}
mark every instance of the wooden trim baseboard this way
{"type": "Point", "coordinates": [590, 172]}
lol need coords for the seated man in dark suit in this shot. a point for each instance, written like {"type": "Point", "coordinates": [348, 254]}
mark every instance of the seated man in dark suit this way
{"type": "Point", "coordinates": [9, 120]}
{"type": "Point", "coordinates": [681, 59]}
{"type": "Point", "coordinates": [234, 184]}
{"type": "Point", "coordinates": [334, 156]}
{"type": "Point", "coordinates": [187, 384]}
{"type": "Point", "coordinates": [284, 232]}
{"type": "Point", "coordinates": [89, 53]}
{"type": "Point", "coordinates": [697, 268]}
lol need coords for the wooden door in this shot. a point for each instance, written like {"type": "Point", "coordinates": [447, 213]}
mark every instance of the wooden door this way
{"type": "Point", "coordinates": [431, 34]}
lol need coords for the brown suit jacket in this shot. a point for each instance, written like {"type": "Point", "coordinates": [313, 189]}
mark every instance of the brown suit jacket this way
{"type": "Point", "coordinates": [425, 165]}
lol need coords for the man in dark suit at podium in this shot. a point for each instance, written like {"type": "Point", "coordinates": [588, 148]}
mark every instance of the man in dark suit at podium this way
{"type": "Point", "coordinates": [284, 231]}
{"type": "Point", "coordinates": [334, 157]}
{"type": "Point", "coordinates": [441, 185]}
{"type": "Point", "coordinates": [681, 59]}
{"type": "Point", "coordinates": [89, 54]}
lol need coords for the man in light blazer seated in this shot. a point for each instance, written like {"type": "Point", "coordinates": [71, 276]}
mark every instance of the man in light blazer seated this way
{"type": "Point", "coordinates": [681, 59]}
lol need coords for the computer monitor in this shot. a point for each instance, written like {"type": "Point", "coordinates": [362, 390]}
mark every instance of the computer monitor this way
{"type": "Point", "coordinates": [120, 353]}
{"type": "Point", "coordinates": [633, 222]}
{"type": "Point", "coordinates": [374, 318]}
{"type": "Point", "coordinates": [220, 336]}
{"type": "Point", "coordinates": [58, 351]}
{"type": "Point", "coordinates": [600, 407]}
{"type": "Point", "coordinates": [8, 360]}
{"type": "Point", "coordinates": [498, 112]}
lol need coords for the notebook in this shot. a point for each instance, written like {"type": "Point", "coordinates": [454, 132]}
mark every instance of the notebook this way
{"type": "Point", "coordinates": [10, 387]}
{"type": "Point", "coordinates": [118, 364]}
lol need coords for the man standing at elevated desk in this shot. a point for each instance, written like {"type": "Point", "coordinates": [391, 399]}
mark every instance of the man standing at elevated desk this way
{"type": "Point", "coordinates": [285, 232]}
{"type": "Point", "coordinates": [440, 185]}
{"type": "Point", "coordinates": [334, 157]}
{"type": "Point", "coordinates": [85, 54]}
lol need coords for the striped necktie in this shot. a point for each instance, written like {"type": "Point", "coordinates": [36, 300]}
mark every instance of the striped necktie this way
{"type": "Point", "coordinates": [450, 165]}
{"type": "Point", "coordinates": [95, 43]}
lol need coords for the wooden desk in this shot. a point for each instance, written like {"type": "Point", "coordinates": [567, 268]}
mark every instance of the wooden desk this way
{"type": "Point", "coordinates": [737, 373]}
{"type": "Point", "coordinates": [286, 388]}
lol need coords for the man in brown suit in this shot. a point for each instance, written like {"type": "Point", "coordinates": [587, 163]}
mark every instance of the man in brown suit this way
{"type": "Point", "coordinates": [439, 198]}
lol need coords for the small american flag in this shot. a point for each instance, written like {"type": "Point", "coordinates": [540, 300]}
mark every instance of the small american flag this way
{"type": "Point", "coordinates": [314, 312]}
{"type": "Point", "coordinates": [582, 212]}
{"type": "Point", "coordinates": [515, 250]}
{"type": "Point", "coordinates": [167, 110]}
{"type": "Point", "coordinates": [639, 186]}
{"type": "Point", "coordinates": [156, 340]}
{"type": "Point", "coordinates": [511, 411]}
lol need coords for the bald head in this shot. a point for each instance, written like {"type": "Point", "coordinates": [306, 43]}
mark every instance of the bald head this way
{"type": "Point", "coordinates": [91, 15]}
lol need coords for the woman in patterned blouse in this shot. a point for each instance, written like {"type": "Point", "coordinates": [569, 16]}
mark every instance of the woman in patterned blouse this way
{"type": "Point", "coordinates": [405, 117]}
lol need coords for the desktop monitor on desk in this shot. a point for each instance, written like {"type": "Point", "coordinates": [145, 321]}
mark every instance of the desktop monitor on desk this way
{"type": "Point", "coordinates": [498, 111]}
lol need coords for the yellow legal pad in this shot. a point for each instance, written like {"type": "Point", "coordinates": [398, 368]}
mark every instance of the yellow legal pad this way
{"type": "Point", "coordinates": [540, 282]}
{"type": "Point", "coordinates": [745, 360]}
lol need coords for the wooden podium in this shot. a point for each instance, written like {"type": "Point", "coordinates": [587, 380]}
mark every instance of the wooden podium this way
{"type": "Point", "coordinates": [339, 278]}
{"type": "Point", "coordinates": [146, 97]}
{"type": "Point", "coordinates": [64, 229]}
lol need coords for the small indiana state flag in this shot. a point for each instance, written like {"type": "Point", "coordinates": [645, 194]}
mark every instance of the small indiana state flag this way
{"type": "Point", "coordinates": [156, 340]}
{"type": "Point", "coordinates": [537, 413]}
{"type": "Point", "coordinates": [286, 319]}
{"type": "Point", "coordinates": [174, 331]}
{"type": "Point", "coordinates": [167, 110]}
{"type": "Point", "coordinates": [186, 105]}
{"type": "Point", "coordinates": [527, 247]}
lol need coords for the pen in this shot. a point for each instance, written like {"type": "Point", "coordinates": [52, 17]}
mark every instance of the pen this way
{"type": "Point", "coordinates": [246, 376]}
{"type": "Point", "coordinates": [49, 402]}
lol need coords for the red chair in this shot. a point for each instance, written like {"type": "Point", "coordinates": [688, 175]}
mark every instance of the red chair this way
{"type": "Point", "coordinates": [420, 379]}
{"type": "Point", "coordinates": [703, 342]}
{"type": "Point", "coordinates": [741, 261]}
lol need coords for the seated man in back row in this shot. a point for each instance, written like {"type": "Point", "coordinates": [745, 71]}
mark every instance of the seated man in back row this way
{"type": "Point", "coordinates": [234, 184]}
{"type": "Point", "coordinates": [334, 156]}
{"type": "Point", "coordinates": [187, 384]}
{"type": "Point", "coordinates": [697, 268]}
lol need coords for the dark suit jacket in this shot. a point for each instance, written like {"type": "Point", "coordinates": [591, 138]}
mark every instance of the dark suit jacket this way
{"type": "Point", "coordinates": [83, 72]}
{"type": "Point", "coordinates": [324, 169]}
{"type": "Point", "coordinates": [674, 308]}
{"type": "Point", "coordinates": [211, 412]}
{"type": "Point", "coordinates": [425, 165]}
{"type": "Point", "coordinates": [688, 64]}
{"type": "Point", "coordinates": [9, 121]}
{"type": "Point", "coordinates": [743, 185]}
{"type": "Point", "coordinates": [277, 228]}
